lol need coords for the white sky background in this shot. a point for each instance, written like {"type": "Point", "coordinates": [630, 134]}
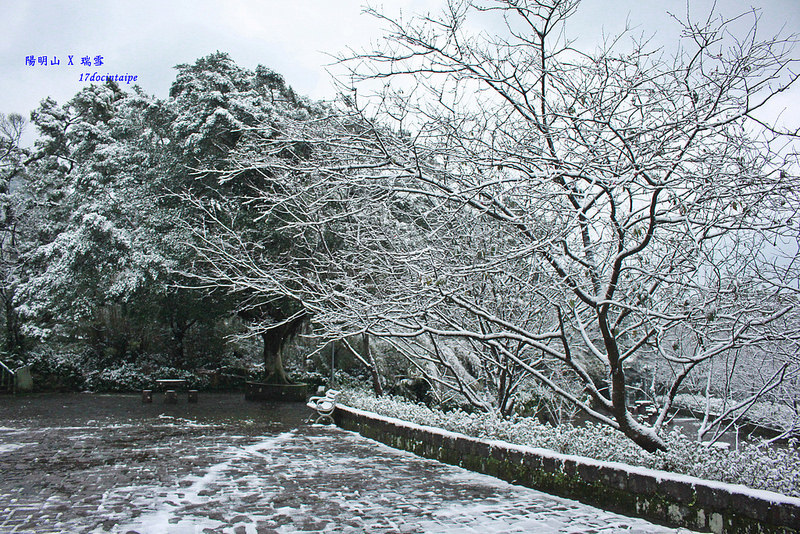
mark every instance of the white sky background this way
{"type": "Point", "coordinates": [147, 38]}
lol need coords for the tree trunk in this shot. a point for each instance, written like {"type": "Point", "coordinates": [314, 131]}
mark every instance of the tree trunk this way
{"type": "Point", "coordinates": [14, 338]}
{"type": "Point", "coordinates": [274, 373]}
{"type": "Point", "coordinates": [643, 436]}
{"type": "Point", "coordinates": [274, 338]}
{"type": "Point", "coordinates": [373, 367]}
{"type": "Point", "coordinates": [179, 330]}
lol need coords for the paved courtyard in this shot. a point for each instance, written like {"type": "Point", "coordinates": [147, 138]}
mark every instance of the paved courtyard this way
{"type": "Point", "coordinates": [96, 463]}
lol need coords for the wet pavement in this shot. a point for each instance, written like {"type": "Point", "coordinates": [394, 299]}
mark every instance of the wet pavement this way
{"type": "Point", "coordinates": [99, 463]}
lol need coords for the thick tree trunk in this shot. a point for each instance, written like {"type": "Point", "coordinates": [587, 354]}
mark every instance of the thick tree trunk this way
{"type": "Point", "coordinates": [274, 373]}
{"type": "Point", "coordinates": [284, 327]}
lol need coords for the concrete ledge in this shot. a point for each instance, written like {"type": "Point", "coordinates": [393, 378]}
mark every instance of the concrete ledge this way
{"type": "Point", "coordinates": [671, 499]}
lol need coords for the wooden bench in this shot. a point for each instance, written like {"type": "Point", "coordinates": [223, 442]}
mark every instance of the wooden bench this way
{"type": "Point", "coordinates": [324, 406]}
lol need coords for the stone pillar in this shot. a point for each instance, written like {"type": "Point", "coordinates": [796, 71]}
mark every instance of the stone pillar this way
{"type": "Point", "coordinates": [171, 396]}
{"type": "Point", "coordinates": [147, 395]}
{"type": "Point", "coordinates": [192, 395]}
{"type": "Point", "coordinates": [23, 381]}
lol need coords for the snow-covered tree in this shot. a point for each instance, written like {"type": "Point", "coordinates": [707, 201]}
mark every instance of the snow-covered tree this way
{"type": "Point", "coordinates": [99, 235]}
{"type": "Point", "coordinates": [569, 212]}
{"type": "Point", "coordinates": [12, 178]}
{"type": "Point", "coordinates": [216, 108]}
{"type": "Point", "coordinates": [618, 179]}
{"type": "Point", "coordinates": [114, 239]}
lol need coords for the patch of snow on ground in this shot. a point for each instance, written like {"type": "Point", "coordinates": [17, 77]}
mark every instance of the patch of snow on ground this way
{"type": "Point", "coordinates": [9, 447]}
{"type": "Point", "coordinates": [183, 422]}
{"type": "Point", "coordinates": [167, 517]}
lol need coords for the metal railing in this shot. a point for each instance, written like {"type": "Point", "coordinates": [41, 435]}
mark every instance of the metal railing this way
{"type": "Point", "coordinates": [7, 381]}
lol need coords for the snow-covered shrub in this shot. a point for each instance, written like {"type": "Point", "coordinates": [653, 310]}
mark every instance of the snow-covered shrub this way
{"type": "Point", "coordinates": [131, 377]}
{"type": "Point", "coordinates": [57, 371]}
{"type": "Point", "coordinates": [128, 377]}
{"type": "Point", "coordinates": [754, 465]}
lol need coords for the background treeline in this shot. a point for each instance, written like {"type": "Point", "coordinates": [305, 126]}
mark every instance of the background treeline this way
{"type": "Point", "coordinates": [97, 243]}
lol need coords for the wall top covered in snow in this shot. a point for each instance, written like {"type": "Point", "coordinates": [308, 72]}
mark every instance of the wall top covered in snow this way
{"type": "Point", "coordinates": [669, 498]}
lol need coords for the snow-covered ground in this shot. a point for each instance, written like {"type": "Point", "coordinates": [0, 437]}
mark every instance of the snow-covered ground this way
{"type": "Point", "coordinates": [185, 474]}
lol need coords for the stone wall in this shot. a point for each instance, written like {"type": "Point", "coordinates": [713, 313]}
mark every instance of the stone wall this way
{"type": "Point", "coordinates": [667, 498]}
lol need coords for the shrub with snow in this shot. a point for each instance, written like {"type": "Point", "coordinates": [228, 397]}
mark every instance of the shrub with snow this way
{"type": "Point", "coordinates": [756, 465]}
{"type": "Point", "coordinates": [56, 371]}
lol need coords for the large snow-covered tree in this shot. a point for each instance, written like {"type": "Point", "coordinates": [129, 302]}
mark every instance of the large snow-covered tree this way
{"type": "Point", "coordinates": [100, 239]}
{"type": "Point", "coordinates": [113, 234]}
{"type": "Point", "coordinates": [577, 214]}
{"type": "Point", "coordinates": [217, 107]}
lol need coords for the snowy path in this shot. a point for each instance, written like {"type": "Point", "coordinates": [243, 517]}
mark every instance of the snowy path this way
{"type": "Point", "coordinates": [169, 475]}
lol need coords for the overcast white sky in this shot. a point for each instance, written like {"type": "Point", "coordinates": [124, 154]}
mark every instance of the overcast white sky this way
{"type": "Point", "coordinates": [147, 38]}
